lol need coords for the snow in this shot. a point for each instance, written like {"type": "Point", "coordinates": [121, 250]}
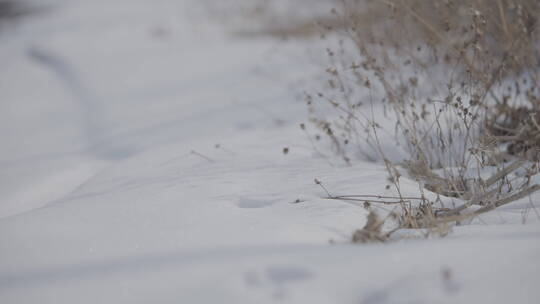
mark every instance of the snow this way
{"type": "Point", "coordinates": [142, 161]}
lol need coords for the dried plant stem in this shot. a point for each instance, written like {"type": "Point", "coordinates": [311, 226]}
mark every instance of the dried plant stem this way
{"type": "Point", "coordinates": [496, 204]}
{"type": "Point", "coordinates": [378, 197]}
{"type": "Point", "coordinates": [505, 171]}
{"type": "Point", "coordinates": [369, 201]}
{"type": "Point", "coordinates": [521, 194]}
{"type": "Point", "coordinates": [202, 156]}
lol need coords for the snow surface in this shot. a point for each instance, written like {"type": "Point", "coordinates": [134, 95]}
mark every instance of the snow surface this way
{"type": "Point", "coordinates": [142, 162]}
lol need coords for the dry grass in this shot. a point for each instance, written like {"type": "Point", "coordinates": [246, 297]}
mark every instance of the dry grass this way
{"type": "Point", "coordinates": [460, 82]}
{"type": "Point", "coordinates": [459, 79]}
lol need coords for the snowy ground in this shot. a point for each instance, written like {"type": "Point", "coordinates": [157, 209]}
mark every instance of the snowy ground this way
{"type": "Point", "coordinates": [142, 162]}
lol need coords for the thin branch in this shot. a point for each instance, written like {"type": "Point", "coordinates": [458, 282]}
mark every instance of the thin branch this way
{"type": "Point", "coordinates": [499, 175]}
{"type": "Point", "coordinates": [521, 194]}
{"type": "Point", "coordinates": [379, 197]}
{"type": "Point", "coordinates": [202, 156]}
{"type": "Point", "coordinates": [369, 201]}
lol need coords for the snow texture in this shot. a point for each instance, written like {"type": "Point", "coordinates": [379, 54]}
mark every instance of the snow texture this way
{"type": "Point", "coordinates": [142, 162]}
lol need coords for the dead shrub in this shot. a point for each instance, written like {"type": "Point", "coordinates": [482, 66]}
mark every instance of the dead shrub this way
{"type": "Point", "coordinates": [460, 82]}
